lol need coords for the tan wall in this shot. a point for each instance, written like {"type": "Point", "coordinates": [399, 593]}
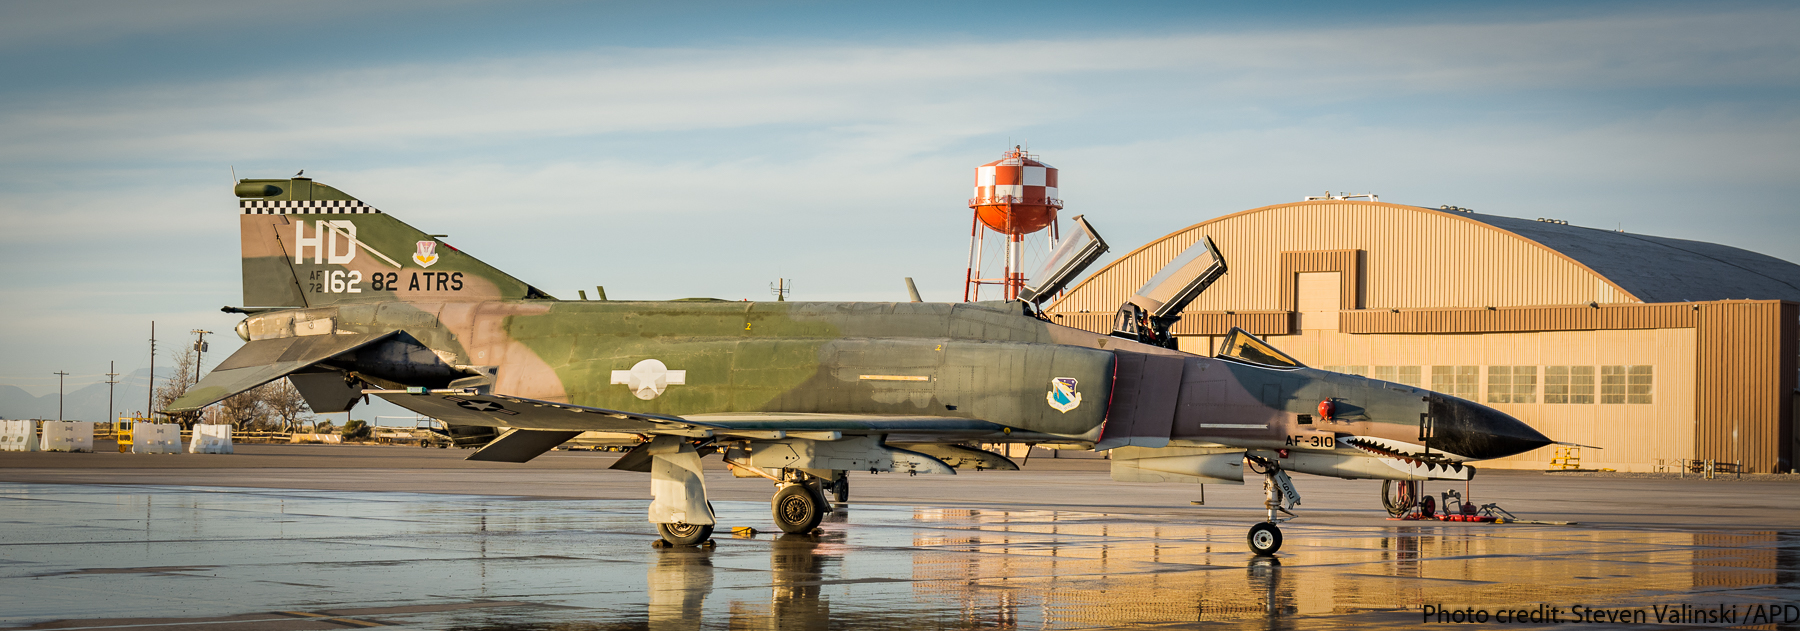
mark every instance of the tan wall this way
{"type": "Point", "coordinates": [1412, 258]}
{"type": "Point", "coordinates": [1632, 436]}
{"type": "Point", "coordinates": [1747, 361]}
{"type": "Point", "coordinates": [1421, 287]}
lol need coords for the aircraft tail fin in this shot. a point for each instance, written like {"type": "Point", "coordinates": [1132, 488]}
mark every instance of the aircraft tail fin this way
{"type": "Point", "coordinates": [306, 244]}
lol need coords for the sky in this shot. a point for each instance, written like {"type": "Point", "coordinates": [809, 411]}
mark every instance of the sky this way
{"type": "Point", "coordinates": [669, 150]}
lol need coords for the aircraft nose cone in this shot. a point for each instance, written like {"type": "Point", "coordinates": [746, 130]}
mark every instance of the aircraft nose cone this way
{"type": "Point", "coordinates": [1476, 431]}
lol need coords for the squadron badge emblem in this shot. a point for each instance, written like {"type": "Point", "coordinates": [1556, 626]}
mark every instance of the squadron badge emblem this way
{"type": "Point", "coordinates": [427, 254]}
{"type": "Point", "coordinates": [1062, 395]}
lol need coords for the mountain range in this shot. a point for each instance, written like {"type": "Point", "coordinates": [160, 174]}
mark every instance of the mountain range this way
{"type": "Point", "coordinates": [87, 403]}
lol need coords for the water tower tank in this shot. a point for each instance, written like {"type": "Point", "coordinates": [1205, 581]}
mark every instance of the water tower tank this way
{"type": "Point", "coordinates": [1015, 195]}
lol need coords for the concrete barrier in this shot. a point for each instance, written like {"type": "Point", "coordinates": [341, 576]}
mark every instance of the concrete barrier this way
{"type": "Point", "coordinates": [210, 439]}
{"type": "Point", "coordinates": [156, 438]}
{"type": "Point", "coordinates": [329, 439]}
{"type": "Point", "coordinates": [18, 436]}
{"type": "Point", "coordinates": [69, 436]}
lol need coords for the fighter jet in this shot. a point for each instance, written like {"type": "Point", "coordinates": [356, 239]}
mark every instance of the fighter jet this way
{"type": "Point", "coordinates": [348, 302]}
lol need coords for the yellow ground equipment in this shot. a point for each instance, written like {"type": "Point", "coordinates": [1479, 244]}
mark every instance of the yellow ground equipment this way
{"type": "Point", "coordinates": [122, 431]}
{"type": "Point", "coordinates": [1567, 459]}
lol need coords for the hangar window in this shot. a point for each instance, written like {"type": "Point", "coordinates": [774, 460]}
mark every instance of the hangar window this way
{"type": "Point", "coordinates": [1626, 384]}
{"type": "Point", "coordinates": [1408, 375]}
{"type": "Point", "coordinates": [1456, 381]}
{"type": "Point", "coordinates": [1360, 371]}
{"type": "Point", "coordinates": [1569, 384]}
{"type": "Point", "coordinates": [1512, 384]}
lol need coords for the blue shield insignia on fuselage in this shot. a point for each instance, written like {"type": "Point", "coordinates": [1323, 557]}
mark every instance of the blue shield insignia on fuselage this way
{"type": "Point", "coordinates": [1062, 395]}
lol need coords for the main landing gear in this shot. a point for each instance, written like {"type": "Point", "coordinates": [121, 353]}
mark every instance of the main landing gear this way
{"type": "Point", "coordinates": [1278, 495]}
{"type": "Point", "coordinates": [800, 503]}
{"type": "Point", "coordinates": [685, 534]}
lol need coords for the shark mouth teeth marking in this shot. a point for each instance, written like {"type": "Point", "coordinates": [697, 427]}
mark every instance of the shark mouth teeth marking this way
{"type": "Point", "coordinates": [1394, 453]}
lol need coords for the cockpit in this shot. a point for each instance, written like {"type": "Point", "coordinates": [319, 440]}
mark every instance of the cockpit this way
{"type": "Point", "coordinates": [1240, 345]}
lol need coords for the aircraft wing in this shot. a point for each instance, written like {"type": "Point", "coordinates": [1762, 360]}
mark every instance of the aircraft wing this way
{"type": "Point", "coordinates": [539, 426]}
{"type": "Point", "coordinates": [768, 422]}
{"type": "Point", "coordinates": [493, 410]}
{"type": "Point", "coordinates": [263, 361]}
{"type": "Point", "coordinates": [499, 410]}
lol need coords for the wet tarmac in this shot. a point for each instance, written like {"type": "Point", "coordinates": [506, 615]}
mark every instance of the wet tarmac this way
{"type": "Point", "coordinates": [145, 556]}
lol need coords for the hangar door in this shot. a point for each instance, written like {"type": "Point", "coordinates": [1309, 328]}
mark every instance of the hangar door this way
{"type": "Point", "coordinates": [1316, 299]}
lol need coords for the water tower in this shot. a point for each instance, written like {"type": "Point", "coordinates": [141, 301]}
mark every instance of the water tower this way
{"type": "Point", "coordinates": [1015, 196]}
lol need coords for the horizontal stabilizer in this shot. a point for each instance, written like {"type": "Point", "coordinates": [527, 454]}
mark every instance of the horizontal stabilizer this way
{"type": "Point", "coordinates": [521, 445]}
{"type": "Point", "coordinates": [263, 361]}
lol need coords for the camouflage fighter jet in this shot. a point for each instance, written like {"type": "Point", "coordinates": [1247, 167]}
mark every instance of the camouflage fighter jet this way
{"type": "Point", "coordinates": [348, 302]}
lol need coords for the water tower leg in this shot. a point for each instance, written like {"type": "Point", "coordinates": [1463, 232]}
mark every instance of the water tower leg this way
{"type": "Point", "coordinates": [974, 260]}
{"type": "Point", "coordinates": [1015, 259]}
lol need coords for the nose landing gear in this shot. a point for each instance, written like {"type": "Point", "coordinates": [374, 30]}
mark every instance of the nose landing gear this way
{"type": "Point", "coordinates": [1278, 495]}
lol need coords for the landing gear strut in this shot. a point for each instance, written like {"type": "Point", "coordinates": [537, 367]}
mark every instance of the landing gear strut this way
{"type": "Point", "coordinates": [1278, 495]}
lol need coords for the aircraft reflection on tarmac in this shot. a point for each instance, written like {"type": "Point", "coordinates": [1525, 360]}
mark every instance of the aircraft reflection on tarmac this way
{"type": "Point", "coordinates": [682, 578]}
{"type": "Point", "coordinates": [1010, 578]}
{"type": "Point", "coordinates": [442, 561]}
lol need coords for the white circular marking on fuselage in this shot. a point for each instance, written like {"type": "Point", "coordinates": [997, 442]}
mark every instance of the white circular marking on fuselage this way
{"type": "Point", "coordinates": [648, 379]}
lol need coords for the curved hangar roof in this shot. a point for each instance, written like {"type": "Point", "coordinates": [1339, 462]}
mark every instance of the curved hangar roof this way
{"type": "Point", "coordinates": [1661, 269]}
{"type": "Point", "coordinates": [1415, 257]}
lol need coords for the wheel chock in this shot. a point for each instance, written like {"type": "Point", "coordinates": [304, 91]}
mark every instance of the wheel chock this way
{"type": "Point", "coordinates": [743, 532]}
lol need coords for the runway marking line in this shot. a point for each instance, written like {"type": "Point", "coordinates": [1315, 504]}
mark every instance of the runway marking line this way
{"type": "Point", "coordinates": [290, 615]}
{"type": "Point", "coordinates": [337, 619]}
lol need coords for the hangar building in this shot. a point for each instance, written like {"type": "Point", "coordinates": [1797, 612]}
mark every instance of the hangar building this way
{"type": "Point", "coordinates": [1654, 349]}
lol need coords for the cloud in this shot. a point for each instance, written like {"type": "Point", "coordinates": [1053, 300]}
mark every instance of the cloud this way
{"type": "Point", "coordinates": [713, 169]}
{"type": "Point", "coordinates": [27, 24]}
{"type": "Point", "coordinates": [906, 98]}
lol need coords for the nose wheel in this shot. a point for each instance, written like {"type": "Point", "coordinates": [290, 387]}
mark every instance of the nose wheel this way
{"type": "Point", "coordinates": [1265, 539]}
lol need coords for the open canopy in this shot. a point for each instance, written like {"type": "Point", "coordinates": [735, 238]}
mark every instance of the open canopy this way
{"type": "Point", "coordinates": [1242, 346]}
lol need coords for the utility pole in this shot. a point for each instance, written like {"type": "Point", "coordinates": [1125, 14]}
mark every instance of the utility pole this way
{"type": "Point", "coordinates": [59, 392]}
{"type": "Point", "coordinates": [112, 379]}
{"type": "Point", "coordinates": [199, 352]}
{"type": "Point", "coordinates": [150, 399]}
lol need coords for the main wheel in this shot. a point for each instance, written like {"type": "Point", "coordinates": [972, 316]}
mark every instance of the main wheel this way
{"type": "Point", "coordinates": [1399, 498]}
{"type": "Point", "coordinates": [1265, 539]}
{"type": "Point", "coordinates": [685, 534]}
{"type": "Point", "coordinates": [797, 509]}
